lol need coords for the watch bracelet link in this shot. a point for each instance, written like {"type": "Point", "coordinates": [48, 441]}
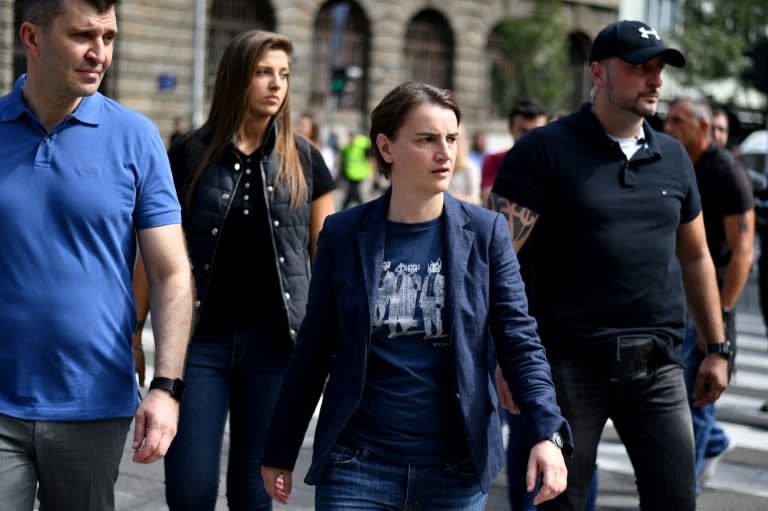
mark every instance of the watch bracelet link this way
{"type": "Point", "coordinates": [721, 348]}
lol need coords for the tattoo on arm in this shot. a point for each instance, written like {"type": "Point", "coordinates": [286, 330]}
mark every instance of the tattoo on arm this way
{"type": "Point", "coordinates": [743, 224]}
{"type": "Point", "coordinates": [519, 218]}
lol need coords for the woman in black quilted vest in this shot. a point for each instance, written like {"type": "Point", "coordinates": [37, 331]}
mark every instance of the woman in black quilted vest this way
{"type": "Point", "coordinates": [254, 197]}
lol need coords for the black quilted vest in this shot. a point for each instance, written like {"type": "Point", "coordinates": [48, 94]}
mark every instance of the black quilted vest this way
{"type": "Point", "coordinates": [289, 227]}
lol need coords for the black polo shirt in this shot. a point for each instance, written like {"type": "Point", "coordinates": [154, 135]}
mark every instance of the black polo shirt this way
{"type": "Point", "coordinates": [725, 190]}
{"type": "Point", "coordinates": [603, 260]}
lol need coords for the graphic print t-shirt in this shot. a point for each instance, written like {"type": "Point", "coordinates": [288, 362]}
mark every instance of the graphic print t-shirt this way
{"type": "Point", "coordinates": [407, 414]}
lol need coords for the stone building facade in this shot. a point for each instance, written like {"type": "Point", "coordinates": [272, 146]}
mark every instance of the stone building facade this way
{"type": "Point", "coordinates": [155, 64]}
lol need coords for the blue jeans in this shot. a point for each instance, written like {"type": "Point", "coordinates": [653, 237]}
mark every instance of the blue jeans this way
{"type": "Point", "coordinates": [652, 419]}
{"type": "Point", "coordinates": [518, 452]}
{"type": "Point", "coordinates": [709, 438]}
{"type": "Point", "coordinates": [356, 479]}
{"type": "Point", "coordinates": [240, 374]}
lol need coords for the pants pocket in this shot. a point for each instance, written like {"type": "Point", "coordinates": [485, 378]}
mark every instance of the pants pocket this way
{"type": "Point", "coordinates": [463, 469]}
{"type": "Point", "coordinates": [632, 358]}
{"type": "Point", "coordinates": [343, 454]}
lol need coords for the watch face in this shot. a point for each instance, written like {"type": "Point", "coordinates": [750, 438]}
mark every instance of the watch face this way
{"type": "Point", "coordinates": [178, 388]}
{"type": "Point", "coordinates": [557, 439]}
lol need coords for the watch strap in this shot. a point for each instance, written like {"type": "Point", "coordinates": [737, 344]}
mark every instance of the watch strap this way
{"type": "Point", "coordinates": [721, 348]}
{"type": "Point", "coordinates": [174, 386]}
{"type": "Point", "coordinates": [556, 439]}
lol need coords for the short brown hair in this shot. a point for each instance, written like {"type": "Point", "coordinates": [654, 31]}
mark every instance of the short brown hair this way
{"type": "Point", "coordinates": [43, 12]}
{"type": "Point", "coordinates": [389, 115]}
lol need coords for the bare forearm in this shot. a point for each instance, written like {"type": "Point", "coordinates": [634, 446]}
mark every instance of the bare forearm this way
{"type": "Point", "coordinates": [519, 219]}
{"type": "Point", "coordinates": [740, 236]}
{"type": "Point", "coordinates": [141, 289]}
{"type": "Point", "coordinates": [703, 298]}
{"type": "Point", "coordinates": [735, 278]}
{"type": "Point", "coordinates": [171, 304]}
{"type": "Point", "coordinates": [321, 207]}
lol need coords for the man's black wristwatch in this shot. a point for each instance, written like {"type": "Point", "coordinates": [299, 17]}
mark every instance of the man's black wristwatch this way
{"type": "Point", "coordinates": [174, 386]}
{"type": "Point", "coordinates": [723, 349]}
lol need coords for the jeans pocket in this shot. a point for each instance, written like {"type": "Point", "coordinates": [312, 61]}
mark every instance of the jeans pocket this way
{"type": "Point", "coordinates": [462, 469]}
{"type": "Point", "coordinates": [633, 359]}
{"type": "Point", "coordinates": [343, 454]}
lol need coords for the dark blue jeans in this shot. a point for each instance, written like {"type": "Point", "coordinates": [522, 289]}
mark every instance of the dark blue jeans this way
{"type": "Point", "coordinates": [652, 418]}
{"type": "Point", "coordinates": [358, 480]}
{"type": "Point", "coordinates": [709, 438]}
{"type": "Point", "coordinates": [240, 374]}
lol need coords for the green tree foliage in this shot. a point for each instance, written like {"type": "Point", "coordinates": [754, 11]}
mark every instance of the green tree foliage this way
{"type": "Point", "coordinates": [531, 59]}
{"type": "Point", "coordinates": [713, 34]}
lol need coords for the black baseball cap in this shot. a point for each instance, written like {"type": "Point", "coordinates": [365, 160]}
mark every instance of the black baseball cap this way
{"type": "Point", "coordinates": [633, 42]}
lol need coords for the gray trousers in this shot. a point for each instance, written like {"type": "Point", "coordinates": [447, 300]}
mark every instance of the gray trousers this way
{"type": "Point", "coordinates": [71, 466]}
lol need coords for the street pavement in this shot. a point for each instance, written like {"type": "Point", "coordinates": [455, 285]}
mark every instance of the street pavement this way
{"type": "Point", "coordinates": [741, 482]}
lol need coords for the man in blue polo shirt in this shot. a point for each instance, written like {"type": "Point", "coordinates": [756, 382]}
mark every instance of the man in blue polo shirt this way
{"type": "Point", "coordinates": [615, 217]}
{"type": "Point", "coordinates": [81, 177]}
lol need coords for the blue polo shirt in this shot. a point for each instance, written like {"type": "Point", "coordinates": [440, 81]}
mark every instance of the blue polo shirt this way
{"type": "Point", "coordinates": [70, 200]}
{"type": "Point", "coordinates": [604, 259]}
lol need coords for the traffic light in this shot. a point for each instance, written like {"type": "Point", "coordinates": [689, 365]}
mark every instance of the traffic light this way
{"type": "Point", "coordinates": [338, 80]}
{"type": "Point", "coordinates": [757, 74]}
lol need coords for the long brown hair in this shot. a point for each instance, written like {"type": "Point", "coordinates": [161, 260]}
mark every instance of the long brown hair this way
{"type": "Point", "coordinates": [230, 105]}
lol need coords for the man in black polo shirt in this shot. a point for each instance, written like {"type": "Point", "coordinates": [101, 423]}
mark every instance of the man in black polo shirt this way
{"type": "Point", "coordinates": [729, 221]}
{"type": "Point", "coordinates": [618, 234]}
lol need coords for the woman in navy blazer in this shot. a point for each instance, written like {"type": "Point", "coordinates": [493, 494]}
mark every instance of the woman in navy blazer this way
{"type": "Point", "coordinates": [407, 293]}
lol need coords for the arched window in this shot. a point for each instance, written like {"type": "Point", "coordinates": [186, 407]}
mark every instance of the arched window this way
{"type": "Point", "coordinates": [581, 80]}
{"type": "Point", "coordinates": [500, 68]}
{"type": "Point", "coordinates": [527, 59]}
{"type": "Point", "coordinates": [342, 42]}
{"type": "Point", "coordinates": [429, 49]}
{"type": "Point", "coordinates": [226, 19]}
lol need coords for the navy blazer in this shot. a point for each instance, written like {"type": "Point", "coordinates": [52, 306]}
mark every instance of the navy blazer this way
{"type": "Point", "coordinates": [485, 299]}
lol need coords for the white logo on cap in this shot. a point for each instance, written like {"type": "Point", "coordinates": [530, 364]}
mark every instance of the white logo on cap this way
{"type": "Point", "coordinates": [644, 33]}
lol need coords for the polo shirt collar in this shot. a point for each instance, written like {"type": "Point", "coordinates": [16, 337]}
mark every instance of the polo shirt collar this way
{"type": "Point", "coordinates": [595, 133]}
{"type": "Point", "coordinates": [651, 139]}
{"type": "Point", "coordinates": [89, 111]}
{"type": "Point", "coordinates": [13, 104]}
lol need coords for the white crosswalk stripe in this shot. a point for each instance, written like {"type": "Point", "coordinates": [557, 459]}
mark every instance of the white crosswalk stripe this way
{"type": "Point", "coordinates": [731, 476]}
{"type": "Point", "coordinates": [730, 400]}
